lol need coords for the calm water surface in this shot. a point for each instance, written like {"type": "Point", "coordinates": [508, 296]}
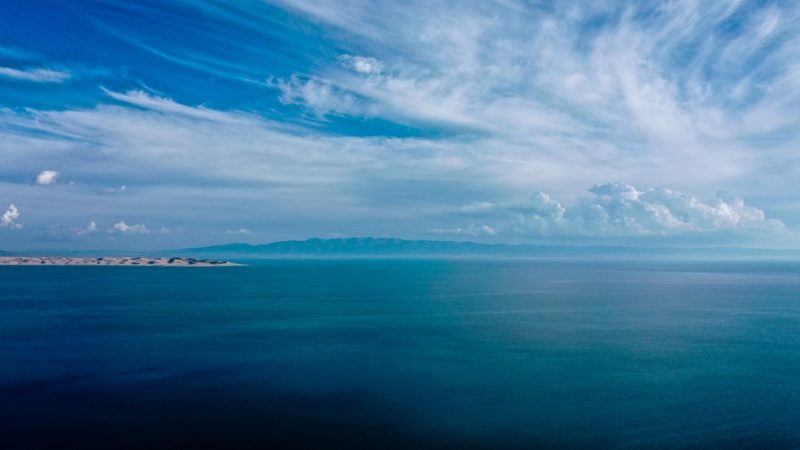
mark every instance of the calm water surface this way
{"type": "Point", "coordinates": [402, 353]}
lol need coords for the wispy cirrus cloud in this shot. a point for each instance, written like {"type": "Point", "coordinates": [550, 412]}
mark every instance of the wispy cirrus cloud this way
{"type": "Point", "coordinates": [158, 103]}
{"type": "Point", "coordinates": [111, 190]}
{"type": "Point", "coordinates": [377, 118]}
{"type": "Point", "coordinates": [36, 75]}
{"type": "Point", "coordinates": [664, 82]}
{"type": "Point", "coordinates": [16, 53]}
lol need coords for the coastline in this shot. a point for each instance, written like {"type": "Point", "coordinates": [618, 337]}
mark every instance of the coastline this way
{"type": "Point", "coordinates": [112, 261]}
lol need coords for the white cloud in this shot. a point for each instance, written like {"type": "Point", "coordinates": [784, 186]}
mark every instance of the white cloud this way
{"type": "Point", "coordinates": [364, 184]}
{"type": "Point", "coordinates": [36, 75]}
{"type": "Point", "coordinates": [620, 209]}
{"type": "Point", "coordinates": [312, 177]}
{"type": "Point", "coordinates": [118, 190]}
{"type": "Point", "coordinates": [46, 177]}
{"type": "Point", "coordinates": [321, 96]}
{"type": "Point", "coordinates": [89, 229]}
{"type": "Point", "coordinates": [361, 64]}
{"type": "Point", "coordinates": [123, 228]}
{"type": "Point", "coordinates": [469, 230]}
{"type": "Point", "coordinates": [165, 105]}
{"type": "Point", "coordinates": [239, 231]}
{"type": "Point", "coordinates": [576, 82]}
{"type": "Point", "coordinates": [507, 96]}
{"type": "Point", "coordinates": [8, 219]}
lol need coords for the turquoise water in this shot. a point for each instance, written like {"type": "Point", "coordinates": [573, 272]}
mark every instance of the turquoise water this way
{"type": "Point", "coordinates": [402, 353]}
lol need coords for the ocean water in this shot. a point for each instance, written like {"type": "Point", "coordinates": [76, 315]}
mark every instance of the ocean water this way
{"type": "Point", "coordinates": [402, 354]}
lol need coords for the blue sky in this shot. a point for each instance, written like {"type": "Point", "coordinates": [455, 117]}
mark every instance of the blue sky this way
{"type": "Point", "coordinates": [155, 124]}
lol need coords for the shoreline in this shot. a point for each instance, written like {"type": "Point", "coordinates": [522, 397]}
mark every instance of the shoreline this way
{"type": "Point", "coordinates": [137, 261]}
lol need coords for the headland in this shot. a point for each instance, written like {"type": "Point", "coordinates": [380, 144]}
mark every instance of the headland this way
{"type": "Point", "coordinates": [111, 261]}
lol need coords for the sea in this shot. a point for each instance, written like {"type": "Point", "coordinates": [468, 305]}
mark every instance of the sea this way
{"type": "Point", "coordinates": [402, 353]}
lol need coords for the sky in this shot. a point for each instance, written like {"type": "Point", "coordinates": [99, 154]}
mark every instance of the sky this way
{"type": "Point", "coordinates": [167, 124]}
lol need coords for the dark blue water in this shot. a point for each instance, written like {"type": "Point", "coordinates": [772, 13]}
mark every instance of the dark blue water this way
{"type": "Point", "coordinates": [365, 353]}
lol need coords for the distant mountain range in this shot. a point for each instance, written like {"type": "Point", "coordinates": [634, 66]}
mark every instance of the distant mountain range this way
{"type": "Point", "coordinates": [391, 247]}
{"type": "Point", "coordinates": [367, 246]}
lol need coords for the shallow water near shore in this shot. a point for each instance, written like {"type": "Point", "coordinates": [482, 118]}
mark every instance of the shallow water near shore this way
{"type": "Point", "coordinates": [402, 353]}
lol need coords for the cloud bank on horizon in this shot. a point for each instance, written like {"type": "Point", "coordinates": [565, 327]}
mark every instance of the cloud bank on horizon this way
{"type": "Point", "coordinates": [617, 209]}
{"type": "Point", "coordinates": [282, 119]}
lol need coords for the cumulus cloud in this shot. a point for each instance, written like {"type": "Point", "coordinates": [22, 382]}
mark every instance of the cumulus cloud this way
{"type": "Point", "coordinates": [123, 228]}
{"type": "Point", "coordinates": [624, 209]}
{"type": "Point", "coordinates": [89, 229]}
{"type": "Point", "coordinates": [8, 219]}
{"type": "Point", "coordinates": [35, 75]}
{"type": "Point", "coordinates": [469, 230]}
{"type": "Point", "coordinates": [118, 228]}
{"type": "Point", "coordinates": [620, 209]}
{"type": "Point", "coordinates": [46, 177]}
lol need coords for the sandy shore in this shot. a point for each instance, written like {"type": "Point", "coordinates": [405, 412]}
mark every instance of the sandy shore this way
{"type": "Point", "coordinates": [111, 261]}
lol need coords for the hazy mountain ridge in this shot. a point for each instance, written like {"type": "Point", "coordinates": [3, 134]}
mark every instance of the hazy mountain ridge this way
{"type": "Point", "coordinates": [367, 246]}
{"type": "Point", "coordinates": [395, 247]}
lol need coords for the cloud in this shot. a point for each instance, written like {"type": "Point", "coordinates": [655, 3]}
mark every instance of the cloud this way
{"type": "Point", "coordinates": [89, 229]}
{"type": "Point", "coordinates": [361, 64]}
{"type": "Point", "coordinates": [46, 177]}
{"type": "Point", "coordinates": [110, 190]}
{"type": "Point", "coordinates": [321, 96]}
{"type": "Point", "coordinates": [117, 228]}
{"type": "Point", "coordinates": [8, 219]}
{"type": "Point", "coordinates": [619, 210]}
{"type": "Point", "coordinates": [469, 230]}
{"type": "Point", "coordinates": [667, 84]}
{"type": "Point", "coordinates": [16, 53]}
{"type": "Point", "coordinates": [364, 184]}
{"type": "Point", "coordinates": [36, 75]}
{"type": "Point", "coordinates": [165, 105]}
{"type": "Point", "coordinates": [500, 98]}
{"type": "Point", "coordinates": [123, 228]}
{"type": "Point", "coordinates": [239, 231]}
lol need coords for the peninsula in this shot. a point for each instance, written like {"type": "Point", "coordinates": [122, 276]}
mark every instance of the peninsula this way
{"type": "Point", "coordinates": [111, 261]}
